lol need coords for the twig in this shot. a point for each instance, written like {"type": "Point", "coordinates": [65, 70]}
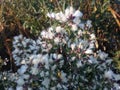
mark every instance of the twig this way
{"type": "Point", "coordinates": [58, 5]}
{"type": "Point", "coordinates": [114, 15]}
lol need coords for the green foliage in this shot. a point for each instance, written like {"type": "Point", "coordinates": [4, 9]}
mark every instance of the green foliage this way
{"type": "Point", "coordinates": [1, 63]}
{"type": "Point", "coordinates": [117, 59]}
{"type": "Point", "coordinates": [28, 14]}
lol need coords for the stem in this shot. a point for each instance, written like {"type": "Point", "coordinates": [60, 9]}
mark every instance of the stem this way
{"type": "Point", "coordinates": [58, 5]}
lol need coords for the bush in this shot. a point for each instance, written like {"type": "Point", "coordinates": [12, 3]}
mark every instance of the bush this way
{"type": "Point", "coordinates": [63, 57]}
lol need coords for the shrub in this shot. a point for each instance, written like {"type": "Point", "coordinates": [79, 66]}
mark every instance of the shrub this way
{"type": "Point", "coordinates": [63, 57]}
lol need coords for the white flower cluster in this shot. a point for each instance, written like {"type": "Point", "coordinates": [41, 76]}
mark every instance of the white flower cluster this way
{"type": "Point", "coordinates": [70, 14]}
{"type": "Point", "coordinates": [23, 49]}
{"type": "Point", "coordinates": [62, 58]}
